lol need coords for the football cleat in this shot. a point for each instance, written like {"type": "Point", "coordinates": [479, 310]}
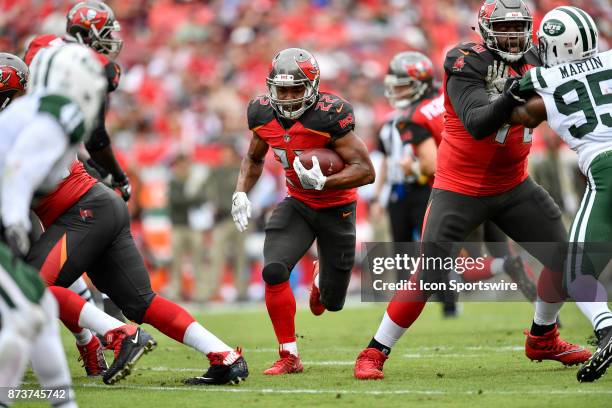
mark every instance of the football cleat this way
{"type": "Point", "coordinates": [129, 344]}
{"type": "Point", "coordinates": [316, 307]}
{"type": "Point", "coordinates": [226, 367]}
{"type": "Point", "coordinates": [597, 365]}
{"type": "Point", "coordinates": [550, 346]}
{"type": "Point", "coordinates": [513, 266]}
{"type": "Point", "coordinates": [286, 364]}
{"type": "Point", "coordinates": [369, 364]}
{"type": "Point", "coordinates": [92, 356]}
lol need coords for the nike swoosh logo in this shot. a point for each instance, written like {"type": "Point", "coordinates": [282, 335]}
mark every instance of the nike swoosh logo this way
{"type": "Point", "coordinates": [135, 340]}
{"type": "Point", "coordinates": [340, 108]}
{"type": "Point", "coordinates": [464, 52]}
{"type": "Point", "coordinates": [346, 214]}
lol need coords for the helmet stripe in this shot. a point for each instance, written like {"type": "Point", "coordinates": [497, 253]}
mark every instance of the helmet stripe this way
{"type": "Point", "coordinates": [570, 12]}
{"type": "Point", "coordinates": [591, 28]}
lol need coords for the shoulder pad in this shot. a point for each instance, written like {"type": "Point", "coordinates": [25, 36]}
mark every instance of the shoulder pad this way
{"type": "Point", "coordinates": [259, 112]}
{"type": "Point", "coordinates": [67, 113]}
{"type": "Point", "coordinates": [330, 114]}
{"type": "Point", "coordinates": [468, 59]}
{"type": "Point", "coordinates": [37, 43]}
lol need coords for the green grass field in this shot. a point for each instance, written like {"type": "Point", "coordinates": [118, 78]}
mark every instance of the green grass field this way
{"type": "Point", "coordinates": [475, 360]}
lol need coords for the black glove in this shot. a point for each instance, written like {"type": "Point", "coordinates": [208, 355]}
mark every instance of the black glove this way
{"type": "Point", "coordinates": [123, 185]}
{"type": "Point", "coordinates": [512, 89]}
{"type": "Point", "coordinates": [16, 237]}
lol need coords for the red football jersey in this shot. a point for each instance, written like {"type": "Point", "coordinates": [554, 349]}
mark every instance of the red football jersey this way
{"type": "Point", "coordinates": [429, 114]}
{"type": "Point", "coordinates": [65, 195]}
{"type": "Point", "coordinates": [330, 118]}
{"type": "Point", "coordinates": [484, 167]}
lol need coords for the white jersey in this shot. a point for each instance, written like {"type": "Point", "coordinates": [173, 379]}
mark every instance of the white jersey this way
{"type": "Point", "coordinates": [578, 100]}
{"type": "Point", "coordinates": [39, 138]}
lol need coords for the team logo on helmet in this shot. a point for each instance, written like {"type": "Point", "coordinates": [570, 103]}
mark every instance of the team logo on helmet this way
{"type": "Point", "coordinates": [553, 27]}
{"type": "Point", "coordinates": [309, 67]}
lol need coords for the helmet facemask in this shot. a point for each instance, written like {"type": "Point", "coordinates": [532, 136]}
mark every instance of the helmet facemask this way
{"type": "Point", "coordinates": [103, 40]}
{"type": "Point", "coordinates": [402, 92]}
{"type": "Point", "coordinates": [291, 108]}
{"type": "Point", "coordinates": [494, 39]}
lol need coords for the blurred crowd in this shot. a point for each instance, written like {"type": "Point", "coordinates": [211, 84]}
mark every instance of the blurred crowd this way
{"type": "Point", "coordinates": [178, 119]}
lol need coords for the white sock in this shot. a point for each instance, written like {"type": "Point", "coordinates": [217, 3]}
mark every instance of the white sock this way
{"type": "Point", "coordinates": [95, 319]}
{"type": "Point", "coordinates": [546, 313]}
{"type": "Point", "coordinates": [389, 332]}
{"type": "Point", "coordinates": [290, 347]}
{"type": "Point", "coordinates": [199, 338]}
{"type": "Point", "coordinates": [597, 312]}
{"type": "Point", "coordinates": [497, 266]}
{"type": "Point", "coordinates": [80, 288]}
{"type": "Point", "coordinates": [83, 337]}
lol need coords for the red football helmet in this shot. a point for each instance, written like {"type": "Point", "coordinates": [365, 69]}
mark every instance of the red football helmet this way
{"type": "Point", "coordinates": [13, 78]}
{"type": "Point", "coordinates": [93, 23]}
{"type": "Point", "coordinates": [410, 75]}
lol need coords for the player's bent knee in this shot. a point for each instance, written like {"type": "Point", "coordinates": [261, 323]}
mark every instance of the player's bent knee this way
{"type": "Point", "coordinates": [275, 273]}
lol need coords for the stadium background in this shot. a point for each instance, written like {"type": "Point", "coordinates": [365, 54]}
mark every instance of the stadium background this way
{"type": "Point", "coordinates": [190, 68]}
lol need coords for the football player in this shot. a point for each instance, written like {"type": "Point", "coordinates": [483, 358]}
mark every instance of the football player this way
{"type": "Point", "coordinates": [409, 141]}
{"type": "Point", "coordinates": [40, 134]}
{"type": "Point", "coordinates": [575, 97]}
{"type": "Point", "coordinates": [93, 24]}
{"type": "Point", "coordinates": [295, 116]}
{"type": "Point", "coordinates": [482, 175]}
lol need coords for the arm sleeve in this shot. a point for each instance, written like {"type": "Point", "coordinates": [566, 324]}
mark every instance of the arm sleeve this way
{"type": "Point", "coordinates": [471, 102]}
{"type": "Point", "coordinates": [99, 138]}
{"type": "Point", "coordinates": [29, 161]}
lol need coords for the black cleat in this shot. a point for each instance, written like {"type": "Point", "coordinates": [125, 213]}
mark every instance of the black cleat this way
{"type": "Point", "coordinates": [597, 365]}
{"type": "Point", "coordinates": [513, 266]}
{"type": "Point", "coordinates": [228, 367]}
{"type": "Point", "coordinates": [129, 343]}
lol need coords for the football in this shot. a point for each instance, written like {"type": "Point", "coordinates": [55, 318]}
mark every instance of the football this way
{"type": "Point", "coordinates": [329, 161]}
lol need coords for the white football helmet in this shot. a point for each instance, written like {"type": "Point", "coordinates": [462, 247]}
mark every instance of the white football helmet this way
{"type": "Point", "coordinates": [566, 34]}
{"type": "Point", "coordinates": [72, 71]}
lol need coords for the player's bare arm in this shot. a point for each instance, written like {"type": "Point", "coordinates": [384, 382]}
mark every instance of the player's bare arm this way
{"type": "Point", "coordinates": [426, 151]}
{"type": "Point", "coordinates": [359, 169]}
{"type": "Point", "coordinates": [252, 165]}
{"type": "Point", "coordinates": [531, 114]}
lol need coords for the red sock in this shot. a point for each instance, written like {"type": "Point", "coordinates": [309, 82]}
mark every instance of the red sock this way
{"type": "Point", "coordinates": [168, 317]}
{"type": "Point", "coordinates": [407, 305]}
{"type": "Point", "coordinates": [550, 286]}
{"type": "Point", "coordinates": [281, 308]}
{"type": "Point", "coordinates": [70, 306]}
{"type": "Point", "coordinates": [474, 274]}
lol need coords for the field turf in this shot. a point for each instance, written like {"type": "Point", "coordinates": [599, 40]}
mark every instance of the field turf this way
{"type": "Point", "coordinates": [476, 360]}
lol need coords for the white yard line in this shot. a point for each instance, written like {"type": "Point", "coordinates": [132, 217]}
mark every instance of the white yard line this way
{"type": "Point", "coordinates": [241, 389]}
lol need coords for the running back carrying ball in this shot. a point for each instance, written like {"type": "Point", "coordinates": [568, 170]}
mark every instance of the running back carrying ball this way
{"type": "Point", "coordinates": [329, 161]}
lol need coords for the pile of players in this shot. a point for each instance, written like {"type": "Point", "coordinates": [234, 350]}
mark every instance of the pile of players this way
{"type": "Point", "coordinates": [493, 94]}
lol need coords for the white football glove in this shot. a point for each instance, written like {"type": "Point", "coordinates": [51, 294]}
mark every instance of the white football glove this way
{"type": "Point", "coordinates": [312, 179]}
{"type": "Point", "coordinates": [241, 210]}
{"type": "Point", "coordinates": [496, 79]}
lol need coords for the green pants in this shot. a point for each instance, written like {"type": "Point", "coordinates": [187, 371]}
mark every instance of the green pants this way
{"type": "Point", "coordinates": [591, 232]}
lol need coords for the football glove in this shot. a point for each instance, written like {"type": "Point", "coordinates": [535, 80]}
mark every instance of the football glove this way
{"type": "Point", "coordinates": [512, 90]}
{"type": "Point", "coordinates": [312, 179]}
{"type": "Point", "coordinates": [16, 237]}
{"type": "Point", "coordinates": [496, 79]}
{"type": "Point", "coordinates": [123, 185]}
{"type": "Point", "coordinates": [241, 210]}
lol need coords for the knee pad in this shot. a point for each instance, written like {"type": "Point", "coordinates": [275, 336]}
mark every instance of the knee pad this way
{"type": "Point", "coordinates": [275, 273]}
{"type": "Point", "coordinates": [135, 309]}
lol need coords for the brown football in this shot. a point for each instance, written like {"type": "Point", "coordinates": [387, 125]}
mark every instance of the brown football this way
{"type": "Point", "coordinates": [329, 161]}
